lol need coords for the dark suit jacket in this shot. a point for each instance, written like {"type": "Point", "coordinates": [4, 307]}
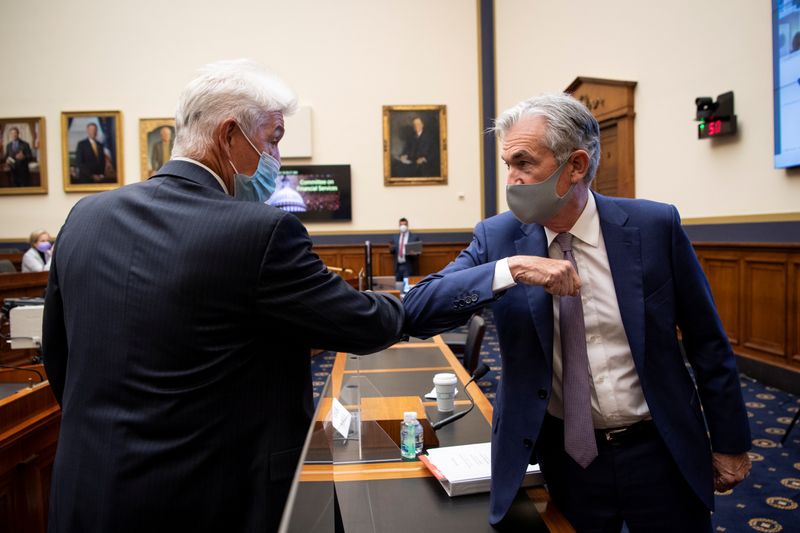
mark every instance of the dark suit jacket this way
{"type": "Point", "coordinates": [659, 285]}
{"type": "Point", "coordinates": [88, 163]}
{"type": "Point", "coordinates": [177, 329]}
{"type": "Point", "coordinates": [413, 260]}
{"type": "Point", "coordinates": [20, 172]}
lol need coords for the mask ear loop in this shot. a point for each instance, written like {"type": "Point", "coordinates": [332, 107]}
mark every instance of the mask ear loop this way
{"type": "Point", "coordinates": [248, 140]}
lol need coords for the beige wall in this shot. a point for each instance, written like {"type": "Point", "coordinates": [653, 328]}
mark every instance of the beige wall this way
{"type": "Point", "coordinates": [676, 51]}
{"type": "Point", "coordinates": [344, 59]}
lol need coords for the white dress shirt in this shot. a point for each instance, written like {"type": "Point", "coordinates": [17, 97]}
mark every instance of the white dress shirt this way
{"type": "Point", "coordinates": [617, 397]}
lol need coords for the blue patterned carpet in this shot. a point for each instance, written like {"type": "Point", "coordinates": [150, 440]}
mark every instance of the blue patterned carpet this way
{"type": "Point", "coordinates": [766, 502]}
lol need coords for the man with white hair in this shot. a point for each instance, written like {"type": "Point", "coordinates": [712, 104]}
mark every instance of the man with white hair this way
{"type": "Point", "coordinates": [178, 323]}
{"type": "Point", "coordinates": [587, 292]}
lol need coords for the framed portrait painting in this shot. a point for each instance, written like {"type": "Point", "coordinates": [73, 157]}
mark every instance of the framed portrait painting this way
{"type": "Point", "coordinates": [23, 156]}
{"type": "Point", "coordinates": [91, 145]}
{"type": "Point", "coordinates": [156, 139]}
{"type": "Point", "coordinates": [415, 145]}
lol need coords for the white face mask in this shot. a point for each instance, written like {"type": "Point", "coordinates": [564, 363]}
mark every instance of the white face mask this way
{"type": "Point", "coordinates": [538, 202]}
{"type": "Point", "coordinates": [403, 228]}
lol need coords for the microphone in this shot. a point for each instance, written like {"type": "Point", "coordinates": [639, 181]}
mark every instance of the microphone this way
{"type": "Point", "coordinates": [478, 374]}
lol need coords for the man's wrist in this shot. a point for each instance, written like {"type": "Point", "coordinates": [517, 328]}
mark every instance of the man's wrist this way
{"type": "Point", "coordinates": [502, 276]}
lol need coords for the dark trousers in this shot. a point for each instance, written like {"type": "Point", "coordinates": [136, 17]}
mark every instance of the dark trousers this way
{"type": "Point", "coordinates": [403, 270]}
{"type": "Point", "coordinates": [635, 482]}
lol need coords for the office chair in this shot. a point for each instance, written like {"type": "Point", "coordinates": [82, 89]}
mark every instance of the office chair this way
{"type": "Point", "coordinates": [476, 328]}
{"type": "Point", "coordinates": [457, 342]}
{"type": "Point", "coordinates": [6, 266]}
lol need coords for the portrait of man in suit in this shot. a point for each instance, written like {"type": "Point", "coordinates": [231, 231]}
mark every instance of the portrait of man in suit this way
{"type": "Point", "coordinates": [179, 321]}
{"type": "Point", "coordinates": [161, 149]}
{"type": "Point", "coordinates": [22, 156]}
{"type": "Point", "coordinates": [418, 155]}
{"type": "Point", "coordinates": [16, 159]}
{"type": "Point", "coordinates": [588, 294]}
{"type": "Point", "coordinates": [414, 146]}
{"type": "Point", "coordinates": [92, 158]}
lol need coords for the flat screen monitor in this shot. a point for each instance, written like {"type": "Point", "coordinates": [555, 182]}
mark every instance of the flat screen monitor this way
{"type": "Point", "coordinates": [315, 193]}
{"type": "Point", "coordinates": [786, 81]}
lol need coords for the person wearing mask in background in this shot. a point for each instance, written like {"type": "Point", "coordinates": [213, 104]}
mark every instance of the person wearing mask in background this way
{"type": "Point", "coordinates": [405, 264]}
{"type": "Point", "coordinates": [178, 327]}
{"type": "Point", "coordinates": [588, 293]}
{"type": "Point", "coordinates": [37, 258]}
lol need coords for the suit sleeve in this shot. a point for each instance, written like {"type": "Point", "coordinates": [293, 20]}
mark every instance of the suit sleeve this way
{"type": "Point", "coordinates": [297, 292]}
{"type": "Point", "coordinates": [448, 298]}
{"type": "Point", "coordinates": [707, 349]}
{"type": "Point", "coordinates": [54, 334]}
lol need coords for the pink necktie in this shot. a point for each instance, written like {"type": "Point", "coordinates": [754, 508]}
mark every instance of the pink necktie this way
{"type": "Point", "coordinates": [579, 440]}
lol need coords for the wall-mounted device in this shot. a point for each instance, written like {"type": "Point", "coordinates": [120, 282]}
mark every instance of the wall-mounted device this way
{"type": "Point", "coordinates": [716, 117]}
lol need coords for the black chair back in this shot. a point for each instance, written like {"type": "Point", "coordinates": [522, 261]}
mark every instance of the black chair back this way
{"type": "Point", "coordinates": [472, 349]}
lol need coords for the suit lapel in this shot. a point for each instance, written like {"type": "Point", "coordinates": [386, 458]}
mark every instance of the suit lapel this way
{"type": "Point", "coordinates": [624, 248]}
{"type": "Point", "coordinates": [534, 242]}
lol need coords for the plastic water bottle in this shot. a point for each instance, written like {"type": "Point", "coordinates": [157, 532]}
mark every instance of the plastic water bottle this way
{"type": "Point", "coordinates": [410, 436]}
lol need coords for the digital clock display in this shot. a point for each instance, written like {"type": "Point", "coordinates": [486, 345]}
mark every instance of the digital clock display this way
{"type": "Point", "coordinates": [716, 127]}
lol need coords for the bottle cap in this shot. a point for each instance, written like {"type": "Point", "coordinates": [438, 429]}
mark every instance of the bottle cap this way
{"type": "Point", "coordinates": [409, 416]}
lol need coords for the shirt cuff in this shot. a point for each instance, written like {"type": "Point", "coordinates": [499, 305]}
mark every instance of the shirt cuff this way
{"type": "Point", "coordinates": [502, 276]}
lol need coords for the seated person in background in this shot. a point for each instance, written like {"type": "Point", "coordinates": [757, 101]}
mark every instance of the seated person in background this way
{"type": "Point", "coordinates": [405, 265]}
{"type": "Point", "coordinates": [37, 258]}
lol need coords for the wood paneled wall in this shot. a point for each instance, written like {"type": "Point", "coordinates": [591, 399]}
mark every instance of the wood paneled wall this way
{"type": "Point", "coordinates": [757, 291]}
{"type": "Point", "coordinates": [756, 288]}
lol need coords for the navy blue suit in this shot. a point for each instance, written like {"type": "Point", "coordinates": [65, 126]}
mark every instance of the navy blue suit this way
{"type": "Point", "coordinates": [177, 329]}
{"type": "Point", "coordinates": [659, 285]}
{"type": "Point", "coordinates": [410, 267]}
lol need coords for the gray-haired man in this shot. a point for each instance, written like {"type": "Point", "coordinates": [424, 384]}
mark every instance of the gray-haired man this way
{"type": "Point", "coordinates": [178, 323]}
{"type": "Point", "coordinates": [587, 292]}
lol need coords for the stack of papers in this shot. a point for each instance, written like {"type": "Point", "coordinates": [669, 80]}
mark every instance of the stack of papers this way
{"type": "Point", "coordinates": [467, 469]}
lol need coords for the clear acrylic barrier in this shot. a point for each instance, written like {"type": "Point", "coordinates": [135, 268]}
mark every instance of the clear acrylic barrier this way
{"type": "Point", "coordinates": [366, 440]}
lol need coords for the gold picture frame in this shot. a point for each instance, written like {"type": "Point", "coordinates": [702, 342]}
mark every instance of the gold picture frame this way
{"type": "Point", "coordinates": [152, 132]}
{"type": "Point", "coordinates": [415, 145]}
{"type": "Point", "coordinates": [23, 159]}
{"type": "Point", "coordinates": [92, 164]}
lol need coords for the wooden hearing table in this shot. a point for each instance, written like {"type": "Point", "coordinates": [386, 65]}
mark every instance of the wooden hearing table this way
{"type": "Point", "coordinates": [391, 495]}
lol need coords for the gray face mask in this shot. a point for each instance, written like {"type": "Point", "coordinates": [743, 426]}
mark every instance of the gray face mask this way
{"type": "Point", "coordinates": [537, 202]}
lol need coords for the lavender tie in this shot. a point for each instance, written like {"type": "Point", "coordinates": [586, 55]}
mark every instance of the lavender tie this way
{"type": "Point", "coordinates": [579, 440]}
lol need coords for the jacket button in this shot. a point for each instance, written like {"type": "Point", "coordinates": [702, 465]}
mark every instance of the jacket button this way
{"type": "Point", "coordinates": [542, 394]}
{"type": "Point", "coordinates": [527, 442]}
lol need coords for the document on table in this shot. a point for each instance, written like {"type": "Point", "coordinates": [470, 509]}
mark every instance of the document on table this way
{"type": "Point", "coordinates": [467, 469]}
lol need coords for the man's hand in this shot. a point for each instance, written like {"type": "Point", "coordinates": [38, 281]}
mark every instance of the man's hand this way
{"type": "Point", "coordinates": [556, 276]}
{"type": "Point", "coordinates": [729, 469]}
